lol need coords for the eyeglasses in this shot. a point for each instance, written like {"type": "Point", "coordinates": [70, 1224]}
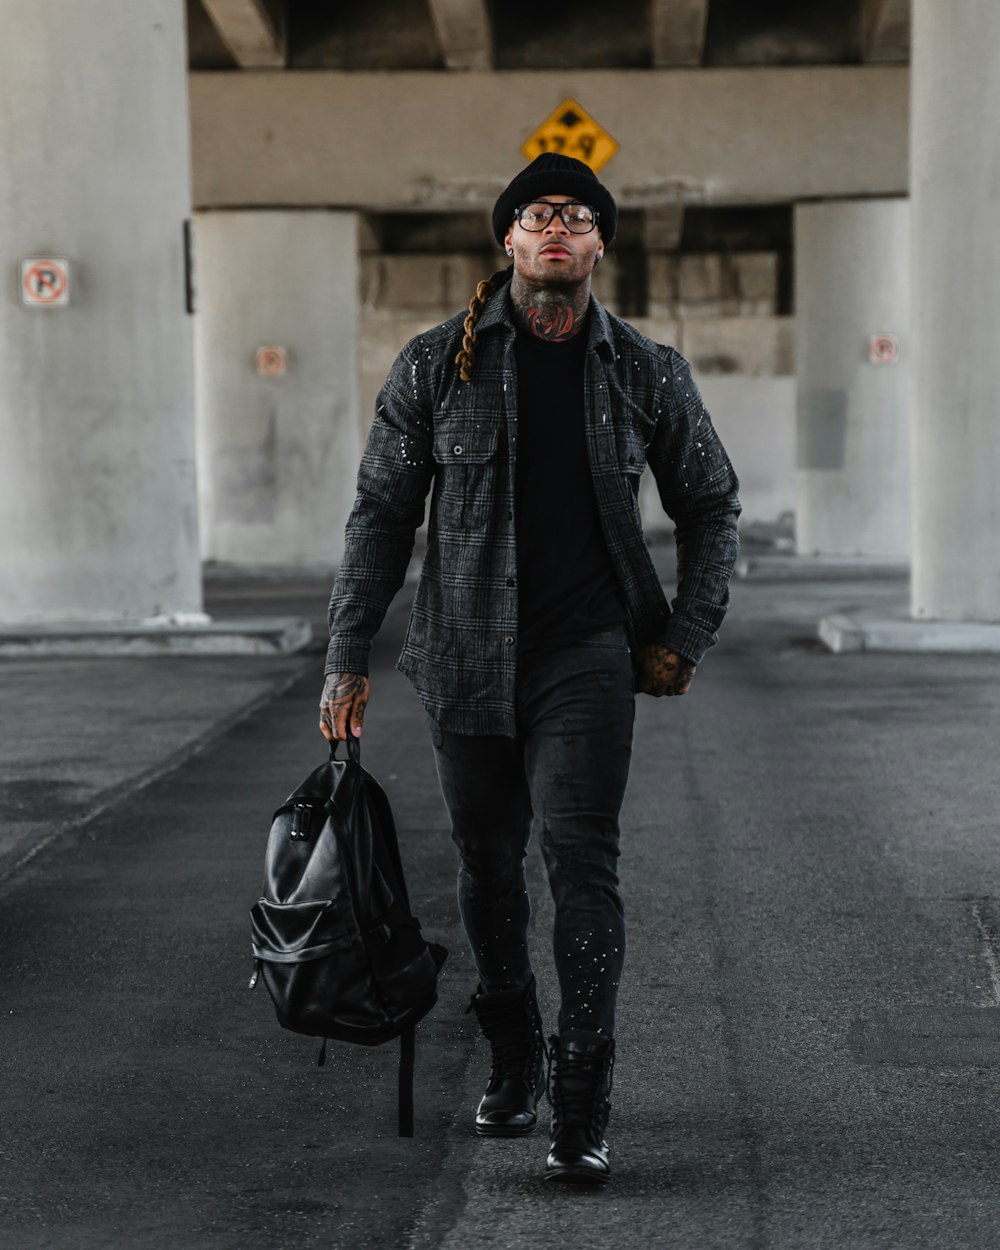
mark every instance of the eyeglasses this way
{"type": "Point", "coordinates": [577, 218]}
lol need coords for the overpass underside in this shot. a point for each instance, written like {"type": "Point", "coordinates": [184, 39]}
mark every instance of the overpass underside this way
{"type": "Point", "coordinates": [254, 240]}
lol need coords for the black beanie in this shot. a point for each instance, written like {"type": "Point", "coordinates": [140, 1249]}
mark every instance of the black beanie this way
{"type": "Point", "coordinates": [555, 174]}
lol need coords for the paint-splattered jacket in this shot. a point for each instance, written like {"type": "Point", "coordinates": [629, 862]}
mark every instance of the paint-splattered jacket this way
{"type": "Point", "coordinates": [641, 406]}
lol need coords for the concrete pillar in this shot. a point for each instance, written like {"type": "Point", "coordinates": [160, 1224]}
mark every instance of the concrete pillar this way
{"type": "Point", "coordinates": [851, 284]}
{"type": "Point", "coordinates": [956, 302]}
{"type": "Point", "coordinates": [278, 453]}
{"type": "Point", "coordinates": [97, 484]}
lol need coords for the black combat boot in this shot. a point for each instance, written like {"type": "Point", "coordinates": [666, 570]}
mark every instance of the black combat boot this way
{"type": "Point", "coordinates": [579, 1083]}
{"type": "Point", "coordinates": [512, 1025]}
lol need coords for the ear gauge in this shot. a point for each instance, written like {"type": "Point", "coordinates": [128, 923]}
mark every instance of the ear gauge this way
{"type": "Point", "coordinates": [510, 251]}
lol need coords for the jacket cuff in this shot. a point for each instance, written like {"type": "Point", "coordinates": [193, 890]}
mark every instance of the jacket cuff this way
{"type": "Point", "coordinates": [686, 639]}
{"type": "Point", "coordinates": [347, 655]}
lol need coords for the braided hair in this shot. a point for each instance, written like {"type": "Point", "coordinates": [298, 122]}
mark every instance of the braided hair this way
{"type": "Point", "coordinates": [466, 358]}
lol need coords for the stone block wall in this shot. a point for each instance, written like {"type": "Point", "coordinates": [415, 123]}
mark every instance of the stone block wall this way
{"type": "Point", "coordinates": [714, 284]}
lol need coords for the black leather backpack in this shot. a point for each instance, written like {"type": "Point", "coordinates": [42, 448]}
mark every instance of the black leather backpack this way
{"type": "Point", "coordinates": [333, 936]}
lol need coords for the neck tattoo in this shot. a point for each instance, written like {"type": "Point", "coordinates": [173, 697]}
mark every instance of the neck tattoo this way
{"type": "Point", "coordinates": [550, 314]}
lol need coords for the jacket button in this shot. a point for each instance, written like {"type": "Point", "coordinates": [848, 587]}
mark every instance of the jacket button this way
{"type": "Point", "coordinates": [511, 581]}
{"type": "Point", "coordinates": [457, 450]}
{"type": "Point", "coordinates": [509, 639]}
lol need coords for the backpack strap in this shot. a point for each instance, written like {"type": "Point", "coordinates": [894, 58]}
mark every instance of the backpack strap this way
{"type": "Point", "coordinates": [407, 1048]}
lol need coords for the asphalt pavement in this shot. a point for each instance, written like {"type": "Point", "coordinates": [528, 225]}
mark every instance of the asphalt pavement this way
{"type": "Point", "coordinates": [809, 1023]}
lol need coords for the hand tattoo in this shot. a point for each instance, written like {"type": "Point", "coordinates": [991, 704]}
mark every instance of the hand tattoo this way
{"type": "Point", "coordinates": [662, 672]}
{"type": "Point", "coordinates": [342, 704]}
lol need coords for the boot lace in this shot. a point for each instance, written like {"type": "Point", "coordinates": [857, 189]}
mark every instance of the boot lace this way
{"type": "Point", "coordinates": [515, 1039]}
{"type": "Point", "coordinates": [579, 1086]}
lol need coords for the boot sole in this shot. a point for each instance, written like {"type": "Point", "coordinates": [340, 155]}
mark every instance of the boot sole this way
{"type": "Point", "coordinates": [502, 1130]}
{"type": "Point", "coordinates": [578, 1176]}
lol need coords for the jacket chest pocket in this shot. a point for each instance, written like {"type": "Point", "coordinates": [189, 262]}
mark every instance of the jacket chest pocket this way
{"type": "Point", "coordinates": [465, 475]}
{"type": "Point", "coordinates": [631, 455]}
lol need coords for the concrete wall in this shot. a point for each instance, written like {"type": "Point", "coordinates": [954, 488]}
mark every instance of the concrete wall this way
{"type": "Point", "coordinates": [97, 477]}
{"type": "Point", "coordinates": [852, 280]}
{"type": "Point", "coordinates": [713, 136]}
{"type": "Point", "coordinates": [279, 455]}
{"type": "Point", "coordinates": [755, 418]}
{"type": "Point", "coordinates": [956, 300]}
{"type": "Point", "coordinates": [751, 346]}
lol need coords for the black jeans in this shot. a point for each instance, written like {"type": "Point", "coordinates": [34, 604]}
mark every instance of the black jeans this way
{"type": "Point", "coordinates": [565, 774]}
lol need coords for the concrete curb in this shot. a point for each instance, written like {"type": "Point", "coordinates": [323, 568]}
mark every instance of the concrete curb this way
{"type": "Point", "coordinates": [851, 633]}
{"type": "Point", "coordinates": [819, 568]}
{"type": "Point", "coordinates": [222, 572]}
{"type": "Point", "coordinates": [250, 636]}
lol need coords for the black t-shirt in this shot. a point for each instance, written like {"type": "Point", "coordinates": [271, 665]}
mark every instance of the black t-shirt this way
{"type": "Point", "coordinates": [566, 583]}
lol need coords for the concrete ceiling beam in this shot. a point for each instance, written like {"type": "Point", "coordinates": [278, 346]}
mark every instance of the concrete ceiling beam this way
{"type": "Point", "coordinates": [732, 136]}
{"type": "Point", "coordinates": [885, 31]}
{"type": "Point", "coordinates": [678, 32]}
{"type": "Point", "coordinates": [252, 30]}
{"type": "Point", "coordinates": [463, 29]}
{"type": "Point", "coordinates": [662, 227]}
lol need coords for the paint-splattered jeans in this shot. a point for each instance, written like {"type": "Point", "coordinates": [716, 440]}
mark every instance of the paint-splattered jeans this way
{"type": "Point", "coordinates": [565, 775]}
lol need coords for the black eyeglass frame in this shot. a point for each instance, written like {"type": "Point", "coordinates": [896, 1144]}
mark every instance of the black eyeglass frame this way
{"type": "Point", "coordinates": [557, 211]}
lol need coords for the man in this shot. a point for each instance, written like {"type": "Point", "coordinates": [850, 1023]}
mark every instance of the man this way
{"type": "Point", "coordinates": [537, 617]}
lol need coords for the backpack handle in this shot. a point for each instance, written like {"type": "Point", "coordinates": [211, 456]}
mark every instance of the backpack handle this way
{"type": "Point", "coordinates": [353, 748]}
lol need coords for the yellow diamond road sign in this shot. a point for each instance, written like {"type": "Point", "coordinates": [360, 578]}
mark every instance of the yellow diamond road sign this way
{"type": "Point", "coordinates": [571, 130]}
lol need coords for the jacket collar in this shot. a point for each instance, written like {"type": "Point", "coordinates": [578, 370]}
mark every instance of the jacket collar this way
{"type": "Point", "coordinates": [498, 313]}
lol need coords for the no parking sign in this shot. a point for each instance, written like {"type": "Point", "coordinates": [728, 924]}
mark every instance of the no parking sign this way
{"type": "Point", "coordinates": [271, 362]}
{"type": "Point", "coordinates": [883, 349]}
{"type": "Point", "coordinates": [44, 282]}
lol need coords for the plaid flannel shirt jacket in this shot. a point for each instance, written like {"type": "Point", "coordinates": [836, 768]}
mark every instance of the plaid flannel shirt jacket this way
{"type": "Point", "coordinates": [641, 407]}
